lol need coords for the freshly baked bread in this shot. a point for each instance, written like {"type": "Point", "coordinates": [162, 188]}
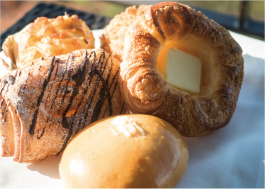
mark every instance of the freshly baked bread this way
{"type": "Point", "coordinates": [113, 38]}
{"type": "Point", "coordinates": [47, 37]}
{"type": "Point", "coordinates": [45, 104]}
{"type": "Point", "coordinates": [129, 151]}
{"type": "Point", "coordinates": [144, 89]}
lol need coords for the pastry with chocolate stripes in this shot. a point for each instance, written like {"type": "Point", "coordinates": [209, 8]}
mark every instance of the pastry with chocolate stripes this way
{"type": "Point", "coordinates": [45, 104]}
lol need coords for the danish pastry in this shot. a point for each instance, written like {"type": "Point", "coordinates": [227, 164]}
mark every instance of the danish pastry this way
{"type": "Point", "coordinates": [45, 104]}
{"type": "Point", "coordinates": [145, 87]}
{"type": "Point", "coordinates": [113, 38]}
{"type": "Point", "coordinates": [47, 37]}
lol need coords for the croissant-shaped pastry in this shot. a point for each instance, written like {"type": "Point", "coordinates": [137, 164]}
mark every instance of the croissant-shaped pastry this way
{"type": "Point", "coordinates": [113, 38]}
{"type": "Point", "coordinates": [45, 104]}
{"type": "Point", "coordinates": [47, 37]}
{"type": "Point", "coordinates": [173, 25]}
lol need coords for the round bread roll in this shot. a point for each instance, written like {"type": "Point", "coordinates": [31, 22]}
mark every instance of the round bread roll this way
{"type": "Point", "coordinates": [125, 151]}
{"type": "Point", "coordinates": [143, 75]}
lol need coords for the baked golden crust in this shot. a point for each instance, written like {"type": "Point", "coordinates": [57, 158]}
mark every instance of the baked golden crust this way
{"type": "Point", "coordinates": [113, 38]}
{"type": "Point", "coordinates": [144, 90]}
{"type": "Point", "coordinates": [47, 37]}
{"type": "Point", "coordinates": [45, 104]}
{"type": "Point", "coordinates": [150, 153]}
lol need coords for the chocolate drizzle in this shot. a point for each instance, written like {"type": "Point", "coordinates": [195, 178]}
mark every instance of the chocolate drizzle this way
{"type": "Point", "coordinates": [3, 86]}
{"type": "Point", "coordinates": [97, 70]}
{"type": "Point", "coordinates": [3, 112]}
{"type": "Point", "coordinates": [45, 83]}
{"type": "Point", "coordinates": [123, 109]}
{"type": "Point", "coordinates": [54, 77]}
{"type": "Point", "coordinates": [78, 78]}
{"type": "Point", "coordinates": [104, 92]}
{"type": "Point", "coordinates": [71, 57]}
{"type": "Point", "coordinates": [66, 98]}
{"type": "Point", "coordinates": [41, 134]}
{"type": "Point", "coordinates": [11, 79]}
{"type": "Point", "coordinates": [58, 88]}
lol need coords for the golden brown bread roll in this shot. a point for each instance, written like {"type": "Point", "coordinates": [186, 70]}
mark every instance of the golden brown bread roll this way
{"type": "Point", "coordinates": [113, 38]}
{"type": "Point", "coordinates": [173, 25]}
{"type": "Point", "coordinates": [47, 37]}
{"type": "Point", "coordinates": [129, 151]}
{"type": "Point", "coordinates": [45, 104]}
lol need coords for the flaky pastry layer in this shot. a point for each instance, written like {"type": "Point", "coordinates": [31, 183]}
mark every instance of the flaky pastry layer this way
{"type": "Point", "coordinates": [145, 91]}
{"type": "Point", "coordinates": [47, 37]}
{"type": "Point", "coordinates": [45, 104]}
{"type": "Point", "coordinates": [113, 38]}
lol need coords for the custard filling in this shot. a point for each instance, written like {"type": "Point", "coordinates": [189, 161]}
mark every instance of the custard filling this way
{"type": "Point", "coordinates": [180, 69]}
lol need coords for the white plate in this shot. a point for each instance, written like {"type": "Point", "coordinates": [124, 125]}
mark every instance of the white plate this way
{"type": "Point", "coordinates": [231, 157]}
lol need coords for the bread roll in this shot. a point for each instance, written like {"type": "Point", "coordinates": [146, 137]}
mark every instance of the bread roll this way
{"type": "Point", "coordinates": [127, 151]}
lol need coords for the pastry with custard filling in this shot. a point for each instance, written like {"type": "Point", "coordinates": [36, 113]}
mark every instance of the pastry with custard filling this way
{"type": "Point", "coordinates": [182, 67]}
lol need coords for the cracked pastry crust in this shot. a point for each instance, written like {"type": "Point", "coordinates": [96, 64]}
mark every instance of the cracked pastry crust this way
{"type": "Point", "coordinates": [47, 37]}
{"type": "Point", "coordinates": [45, 104]}
{"type": "Point", "coordinates": [144, 89]}
{"type": "Point", "coordinates": [113, 38]}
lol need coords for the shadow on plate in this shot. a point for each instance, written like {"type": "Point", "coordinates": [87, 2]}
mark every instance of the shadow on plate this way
{"type": "Point", "coordinates": [48, 167]}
